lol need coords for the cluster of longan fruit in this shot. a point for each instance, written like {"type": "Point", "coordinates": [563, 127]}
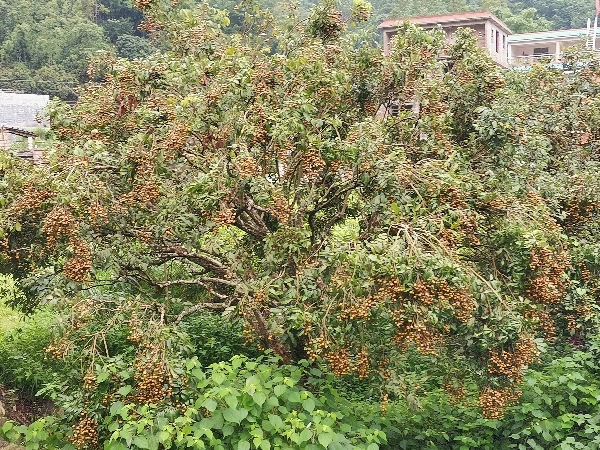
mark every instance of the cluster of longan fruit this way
{"type": "Point", "coordinates": [547, 285]}
{"type": "Point", "coordinates": [339, 361]}
{"type": "Point", "coordinates": [427, 341]}
{"type": "Point", "coordinates": [248, 167]}
{"type": "Point", "coordinates": [215, 93]}
{"type": "Point", "coordinates": [150, 25]}
{"type": "Point", "coordinates": [389, 289]}
{"type": "Point", "coordinates": [58, 348]}
{"type": "Point", "coordinates": [543, 320]}
{"type": "Point", "coordinates": [362, 365]}
{"type": "Point", "coordinates": [312, 165]}
{"type": "Point", "coordinates": [226, 216]}
{"type": "Point", "coordinates": [578, 212]}
{"type": "Point", "coordinates": [281, 209]}
{"type": "Point", "coordinates": [175, 140]}
{"type": "Point", "coordinates": [461, 300]}
{"type": "Point", "coordinates": [452, 196]}
{"type": "Point", "coordinates": [79, 265]}
{"type": "Point", "coordinates": [511, 364]}
{"type": "Point", "coordinates": [98, 214]}
{"type": "Point", "coordinates": [360, 311]}
{"type": "Point", "coordinates": [58, 223]}
{"type": "Point", "coordinates": [145, 193]}
{"type": "Point", "coordinates": [85, 433]}
{"type": "Point", "coordinates": [89, 381]}
{"type": "Point", "coordinates": [315, 347]}
{"type": "Point", "coordinates": [143, 4]}
{"type": "Point", "coordinates": [494, 401]}
{"type": "Point", "coordinates": [31, 198]}
{"type": "Point", "coordinates": [153, 380]}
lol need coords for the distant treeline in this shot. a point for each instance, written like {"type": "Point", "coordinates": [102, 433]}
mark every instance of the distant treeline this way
{"type": "Point", "coordinates": [45, 45]}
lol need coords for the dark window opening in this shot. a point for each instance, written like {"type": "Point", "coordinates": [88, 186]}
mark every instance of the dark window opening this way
{"type": "Point", "coordinates": [541, 51]}
{"type": "Point", "coordinates": [497, 42]}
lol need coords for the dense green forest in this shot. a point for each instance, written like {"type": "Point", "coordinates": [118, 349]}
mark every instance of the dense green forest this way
{"type": "Point", "coordinates": [45, 45]}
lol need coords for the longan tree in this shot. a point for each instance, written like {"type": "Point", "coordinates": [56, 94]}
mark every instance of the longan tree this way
{"type": "Point", "coordinates": [264, 176]}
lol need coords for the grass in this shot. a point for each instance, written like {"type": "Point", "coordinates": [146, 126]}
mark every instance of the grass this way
{"type": "Point", "coordinates": [9, 318]}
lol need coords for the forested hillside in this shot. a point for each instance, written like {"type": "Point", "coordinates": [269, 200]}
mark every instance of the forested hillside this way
{"type": "Point", "coordinates": [44, 45]}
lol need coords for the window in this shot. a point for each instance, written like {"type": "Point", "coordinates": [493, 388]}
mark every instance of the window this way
{"type": "Point", "coordinates": [541, 51]}
{"type": "Point", "coordinates": [503, 41]}
{"type": "Point", "coordinates": [497, 42]}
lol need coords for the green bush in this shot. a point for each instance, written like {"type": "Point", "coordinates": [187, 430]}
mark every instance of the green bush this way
{"type": "Point", "coordinates": [215, 339]}
{"type": "Point", "coordinates": [23, 360]}
{"type": "Point", "coordinates": [241, 404]}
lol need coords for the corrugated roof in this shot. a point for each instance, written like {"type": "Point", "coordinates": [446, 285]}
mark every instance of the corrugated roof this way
{"type": "Point", "coordinates": [542, 35]}
{"type": "Point", "coordinates": [447, 19]}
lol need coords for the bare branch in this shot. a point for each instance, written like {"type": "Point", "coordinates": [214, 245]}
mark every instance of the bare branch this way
{"type": "Point", "coordinates": [198, 307]}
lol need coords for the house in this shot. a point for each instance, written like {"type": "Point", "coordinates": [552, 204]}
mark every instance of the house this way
{"type": "Point", "coordinates": [19, 116]}
{"type": "Point", "coordinates": [492, 32]}
{"type": "Point", "coordinates": [524, 49]}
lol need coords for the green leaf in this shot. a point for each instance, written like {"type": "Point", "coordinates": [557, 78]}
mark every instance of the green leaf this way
{"type": "Point", "coordinates": [102, 376]}
{"type": "Point", "coordinates": [309, 404]}
{"type": "Point", "coordinates": [373, 446]}
{"type": "Point", "coordinates": [125, 390]}
{"type": "Point", "coordinates": [140, 442]}
{"type": "Point", "coordinates": [305, 435]}
{"type": "Point", "coordinates": [326, 438]}
{"type": "Point", "coordinates": [235, 415]}
{"type": "Point", "coordinates": [210, 404]}
{"type": "Point", "coordinates": [17, 226]}
{"type": "Point", "coordinates": [276, 421]}
{"type": "Point", "coordinates": [259, 398]}
{"type": "Point", "coordinates": [243, 445]}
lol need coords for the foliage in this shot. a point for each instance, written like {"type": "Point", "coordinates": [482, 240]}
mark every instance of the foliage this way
{"type": "Point", "coordinates": [23, 361]}
{"type": "Point", "coordinates": [242, 404]}
{"type": "Point", "coordinates": [166, 196]}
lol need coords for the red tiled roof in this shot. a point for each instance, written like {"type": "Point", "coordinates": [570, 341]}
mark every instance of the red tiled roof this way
{"type": "Point", "coordinates": [446, 19]}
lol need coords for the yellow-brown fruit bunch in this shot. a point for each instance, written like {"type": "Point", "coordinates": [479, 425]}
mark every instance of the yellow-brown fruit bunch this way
{"type": "Point", "coordinates": [339, 362]}
{"type": "Point", "coordinates": [312, 165]}
{"type": "Point", "coordinates": [30, 199]}
{"type": "Point", "coordinates": [248, 167]}
{"type": "Point", "coordinates": [150, 25]}
{"type": "Point", "coordinates": [226, 216]}
{"type": "Point", "coordinates": [315, 346]}
{"type": "Point", "coordinates": [389, 289]}
{"type": "Point", "coordinates": [423, 293]}
{"type": "Point", "coordinates": [453, 197]}
{"type": "Point", "coordinates": [281, 209]}
{"type": "Point", "coordinates": [548, 286]}
{"type": "Point", "coordinates": [461, 300]}
{"type": "Point", "coordinates": [98, 214]}
{"type": "Point", "coordinates": [427, 341]}
{"type": "Point", "coordinates": [85, 433]}
{"type": "Point", "coordinates": [152, 380]}
{"type": "Point", "coordinates": [359, 310]}
{"type": "Point", "coordinates": [79, 265]}
{"type": "Point", "coordinates": [146, 193]}
{"type": "Point", "coordinates": [512, 364]}
{"type": "Point", "coordinates": [175, 140]}
{"type": "Point", "coordinates": [543, 321]}
{"type": "Point", "coordinates": [58, 223]}
{"type": "Point", "coordinates": [494, 401]}
{"type": "Point", "coordinates": [362, 366]}
{"type": "Point", "coordinates": [58, 348]}
{"type": "Point", "coordinates": [89, 381]}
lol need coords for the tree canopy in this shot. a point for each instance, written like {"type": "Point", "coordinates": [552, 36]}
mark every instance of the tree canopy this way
{"type": "Point", "coordinates": [263, 176]}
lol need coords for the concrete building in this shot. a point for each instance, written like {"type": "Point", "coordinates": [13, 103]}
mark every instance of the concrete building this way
{"type": "Point", "coordinates": [506, 48]}
{"type": "Point", "coordinates": [524, 49]}
{"type": "Point", "coordinates": [19, 115]}
{"type": "Point", "coordinates": [492, 32]}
